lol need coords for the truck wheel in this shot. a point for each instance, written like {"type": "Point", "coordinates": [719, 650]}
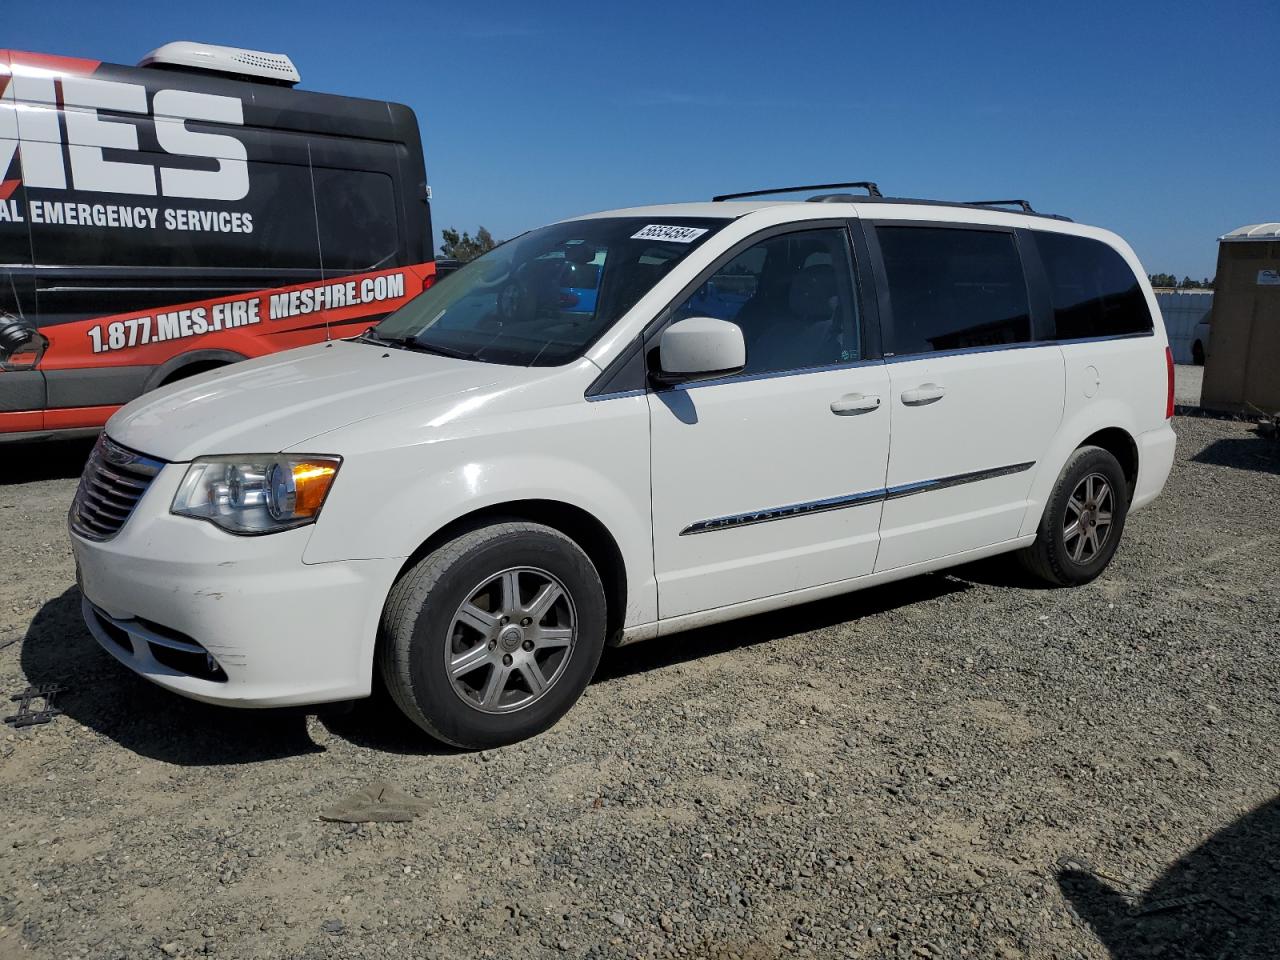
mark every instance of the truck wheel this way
{"type": "Point", "coordinates": [191, 370]}
{"type": "Point", "coordinates": [493, 636]}
{"type": "Point", "coordinates": [1082, 522]}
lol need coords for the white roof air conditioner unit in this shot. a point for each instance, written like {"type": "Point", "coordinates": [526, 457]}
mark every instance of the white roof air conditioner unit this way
{"type": "Point", "coordinates": [230, 61]}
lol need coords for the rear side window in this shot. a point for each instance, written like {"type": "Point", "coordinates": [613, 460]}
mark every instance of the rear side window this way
{"type": "Point", "coordinates": [953, 288]}
{"type": "Point", "coordinates": [357, 219]}
{"type": "Point", "coordinates": [1094, 292]}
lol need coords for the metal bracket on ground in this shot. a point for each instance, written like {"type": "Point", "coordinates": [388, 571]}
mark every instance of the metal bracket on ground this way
{"type": "Point", "coordinates": [27, 715]}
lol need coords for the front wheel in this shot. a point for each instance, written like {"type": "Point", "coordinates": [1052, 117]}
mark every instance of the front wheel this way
{"type": "Point", "coordinates": [493, 636]}
{"type": "Point", "coordinates": [1082, 522]}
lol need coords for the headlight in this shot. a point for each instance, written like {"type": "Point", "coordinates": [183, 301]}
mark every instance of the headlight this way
{"type": "Point", "coordinates": [256, 494]}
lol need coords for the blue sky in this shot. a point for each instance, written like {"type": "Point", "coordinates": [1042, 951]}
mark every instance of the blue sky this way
{"type": "Point", "coordinates": [1158, 120]}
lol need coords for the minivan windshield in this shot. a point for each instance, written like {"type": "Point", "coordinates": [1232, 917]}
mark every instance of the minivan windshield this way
{"type": "Point", "coordinates": [541, 299]}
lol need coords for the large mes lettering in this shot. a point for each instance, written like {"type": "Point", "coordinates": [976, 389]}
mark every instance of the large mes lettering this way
{"type": "Point", "coordinates": [34, 134]}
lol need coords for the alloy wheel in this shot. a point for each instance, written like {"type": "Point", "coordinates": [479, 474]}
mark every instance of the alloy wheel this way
{"type": "Point", "coordinates": [510, 640]}
{"type": "Point", "coordinates": [1087, 523]}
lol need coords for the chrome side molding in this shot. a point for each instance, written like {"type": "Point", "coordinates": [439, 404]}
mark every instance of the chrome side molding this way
{"type": "Point", "coordinates": [851, 500]}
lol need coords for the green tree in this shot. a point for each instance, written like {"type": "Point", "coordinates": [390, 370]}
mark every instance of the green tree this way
{"type": "Point", "coordinates": [465, 247]}
{"type": "Point", "coordinates": [1162, 279]}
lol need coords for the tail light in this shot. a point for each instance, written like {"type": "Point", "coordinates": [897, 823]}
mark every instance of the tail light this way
{"type": "Point", "coordinates": [568, 299]}
{"type": "Point", "coordinates": [1168, 362]}
{"type": "Point", "coordinates": [429, 281]}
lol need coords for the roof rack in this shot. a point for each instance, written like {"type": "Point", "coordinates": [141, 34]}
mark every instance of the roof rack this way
{"type": "Point", "coordinates": [867, 185]}
{"type": "Point", "coordinates": [840, 198]}
{"type": "Point", "coordinates": [1023, 205]}
{"type": "Point", "coordinates": [875, 196]}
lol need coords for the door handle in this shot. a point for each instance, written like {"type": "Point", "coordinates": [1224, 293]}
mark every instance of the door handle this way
{"type": "Point", "coordinates": [925, 393]}
{"type": "Point", "coordinates": [852, 403]}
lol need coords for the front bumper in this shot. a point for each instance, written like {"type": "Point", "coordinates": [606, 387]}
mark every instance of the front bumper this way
{"type": "Point", "coordinates": [279, 631]}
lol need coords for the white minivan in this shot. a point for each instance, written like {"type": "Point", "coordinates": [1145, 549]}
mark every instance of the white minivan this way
{"type": "Point", "coordinates": [619, 427]}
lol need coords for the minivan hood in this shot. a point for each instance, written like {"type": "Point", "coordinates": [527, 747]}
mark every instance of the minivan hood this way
{"type": "Point", "coordinates": [272, 403]}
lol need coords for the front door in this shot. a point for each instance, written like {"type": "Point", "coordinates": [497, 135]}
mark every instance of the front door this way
{"type": "Point", "coordinates": [770, 481]}
{"type": "Point", "coordinates": [973, 402]}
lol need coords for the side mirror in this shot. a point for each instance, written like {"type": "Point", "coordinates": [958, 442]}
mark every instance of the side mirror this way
{"type": "Point", "coordinates": [21, 345]}
{"type": "Point", "coordinates": [700, 348]}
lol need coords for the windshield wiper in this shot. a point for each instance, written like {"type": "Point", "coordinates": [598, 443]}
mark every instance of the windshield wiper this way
{"type": "Point", "coordinates": [370, 337]}
{"type": "Point", "coordinates": [413, 343]}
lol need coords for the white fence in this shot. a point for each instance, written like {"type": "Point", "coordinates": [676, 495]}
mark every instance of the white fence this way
{"type": "Point", "coordinates": [1182, 310]}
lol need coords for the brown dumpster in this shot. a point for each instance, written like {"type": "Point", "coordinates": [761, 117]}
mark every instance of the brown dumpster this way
{"type": "Point", "coordinates": [1242, 369]}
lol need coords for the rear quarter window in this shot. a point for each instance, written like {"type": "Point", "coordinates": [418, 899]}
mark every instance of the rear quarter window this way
{"type": "Point", "coordinates": [357, 219]}
{"type": "Point", "coordinates": [1093, 290]}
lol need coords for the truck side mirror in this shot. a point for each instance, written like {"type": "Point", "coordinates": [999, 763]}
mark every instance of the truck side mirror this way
{"type": "Point", "coordinates": [21, 345]}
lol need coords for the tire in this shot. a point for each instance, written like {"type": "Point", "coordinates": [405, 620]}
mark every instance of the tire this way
{"type": "Point", "coordinates": [1067, 559]}
{"type": "Point", "coordinates": [450, 605]}
{"type": "Point", "coordinates": [191, 370]}
{"type": "Point", "coordinates": [1197, 353]}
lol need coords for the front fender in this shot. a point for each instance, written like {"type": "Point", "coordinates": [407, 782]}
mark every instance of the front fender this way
{"type": "Point", "coordinates": [595, 457]}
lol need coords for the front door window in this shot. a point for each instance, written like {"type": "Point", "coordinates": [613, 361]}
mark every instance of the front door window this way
{"type": "Point", "coordinates": [793, 297]}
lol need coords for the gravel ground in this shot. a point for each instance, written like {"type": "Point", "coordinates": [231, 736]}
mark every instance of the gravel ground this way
{"type": "Point", "coordinates": [897, 773]}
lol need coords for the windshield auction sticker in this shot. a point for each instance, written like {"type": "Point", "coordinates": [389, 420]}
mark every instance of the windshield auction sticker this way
{"type": "Point", "coordinates": [658, 231]}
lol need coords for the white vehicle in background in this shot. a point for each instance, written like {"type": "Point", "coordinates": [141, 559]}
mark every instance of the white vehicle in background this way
{"type": "Point", "coordinates": [1200, 341]}
{"type": "Point", "coordinates": [768, 402]}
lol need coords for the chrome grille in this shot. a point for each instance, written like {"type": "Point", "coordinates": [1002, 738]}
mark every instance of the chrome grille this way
{"type": "Point", "coordinates": [114, 480]}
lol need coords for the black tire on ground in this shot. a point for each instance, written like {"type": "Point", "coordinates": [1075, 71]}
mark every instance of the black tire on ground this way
{"type": "Point", "coordinates": [1050, 556]}
{"type": "Point", "coordinates": [1197, 353]}
{"type": "Point", "coordinates": [418, 627]}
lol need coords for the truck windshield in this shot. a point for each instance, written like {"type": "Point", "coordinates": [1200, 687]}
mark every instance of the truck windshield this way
{"type": "Point", "coordinates": [541, 299]}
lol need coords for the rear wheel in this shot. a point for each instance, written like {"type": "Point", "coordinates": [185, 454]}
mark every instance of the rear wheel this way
{"type": "Point", "coordinates": [493, 636]}
{"type": "Point", "coordinates": [191, 370]}
{"type": "Point", "coordinates": [1082, 522]}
